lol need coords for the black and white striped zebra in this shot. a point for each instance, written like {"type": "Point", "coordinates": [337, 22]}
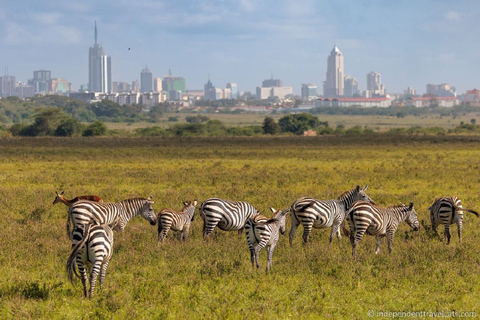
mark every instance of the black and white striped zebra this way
{"type": "Point", "coordinates": [90, 244]}
{"type": "Point", "coordinates": [448, 210]}
{"type": "Point", "coordinates": [319, 214]}
{"type": "Point", "coordinates": [365, 217]}
{"type": "Point", "coordinates": [227, 215]}
{"type": "Point", "coordinates": [114, 214]}
{"type": "Point", "coordinates": [177, 221]}
{"type": "Point", "coordinates": [264, 233]}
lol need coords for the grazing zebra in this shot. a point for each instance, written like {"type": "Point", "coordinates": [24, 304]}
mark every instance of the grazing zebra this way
{"type": "Point", "coordinates": [90, 244]}
{"type": "Point", "coordinates": [227, 215]}
{"type": "Point", "coordinates": [319, 214]}
{"type": "Point", "coordinates": [265, 233]}
{"type": "Point", "coordinates": [379, 222]}
{"type": "Point", "coordinates": [177, 221]}
{"type": "Point", "coordinates": [114, 214]}
{"type": "Point", "coordinates": [448, 210]}
{"type": "Point", "coordinates": [68, 203]}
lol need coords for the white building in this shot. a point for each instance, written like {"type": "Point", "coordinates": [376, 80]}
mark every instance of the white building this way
{"type": "Point", "coordinates": [334, 85]}
{"type": "Point", "coordinates": [429, 101]}
{"type": "Point", "coordinates": [278, 93]}
{"type": "Point", "coordinates": [381, 102]}
{"type": "Point", "coordinates": [374, 85]}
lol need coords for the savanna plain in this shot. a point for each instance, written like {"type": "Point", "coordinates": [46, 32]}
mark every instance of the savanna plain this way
{"type": "Point", "coordinates": [214, 278]}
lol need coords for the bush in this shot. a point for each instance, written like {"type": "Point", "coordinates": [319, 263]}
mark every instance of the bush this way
{"type": "Point", "coordinates": [69, 128]}
{"type": "Point", "coordinates": [98, 128]}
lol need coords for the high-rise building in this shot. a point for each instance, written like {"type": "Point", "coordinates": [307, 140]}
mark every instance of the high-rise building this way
{"type": "Point", "coordinates": [234, 89]}
{"type": "Point", "coordinates": [146, 80]}
{"type": "Point", "coordinates": [351, 86]}
{"type": "Point", "coordinates": [374, 85]}
{"type": "Point", "coordinates": [334, 85]}
{"type": "Point", "coordinates": [99, 68]}
{"type": "Point", "coordinates": [157, 85]}
{"type": "Point", "coordinates": [309, 92]}
{"type": "Point", "coordinates": [60, 86]}
{"type": "Point", "coordinates": [40, 81]}
{"type": "Point", "coordinates": [441, 90]}
{"type": "Point", "coordinates": [7, 86]}
{"type": "Point", "coordinates": [271, 83]}
{"type": "Point", "coordinates": [173, 86]}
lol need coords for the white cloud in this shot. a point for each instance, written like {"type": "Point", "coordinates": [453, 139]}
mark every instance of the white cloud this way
{"type": "Point", "coordinates": [47, 18]}
{"type": "Point", "coordinates": [453, 15]}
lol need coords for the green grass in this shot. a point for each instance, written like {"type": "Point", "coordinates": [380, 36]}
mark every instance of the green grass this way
{"type": "Point", "coordinates": [214, 278]}
{"type": "Point", "coordinates": [379, 123]}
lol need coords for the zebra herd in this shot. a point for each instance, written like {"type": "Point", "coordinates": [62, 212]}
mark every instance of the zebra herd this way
{"type": "Point", "coordinates": [91, 222]}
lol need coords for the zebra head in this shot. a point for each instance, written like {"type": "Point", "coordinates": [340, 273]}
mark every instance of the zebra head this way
{"type": "Point", "coordinates": [357, 194]}
{"type": "Point", "coordinates": [362, 195]}
{"type": "Point", "coordinates": [147, 211]}
{"type": "Point", "coordinates": [281, 217]}
{"type": "Point", "coordinates": [189, 206]}
{"type": "Point", "coordinates": [412, 218]}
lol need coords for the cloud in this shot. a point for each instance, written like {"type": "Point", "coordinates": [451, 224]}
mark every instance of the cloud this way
{"type": "Point", "coordinates": [46, 18]}
{"type": "Point", "coordinates": [453, 15]}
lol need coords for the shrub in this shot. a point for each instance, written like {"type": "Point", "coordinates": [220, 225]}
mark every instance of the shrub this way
{"type": "Point", "coordinates": [98, 128]}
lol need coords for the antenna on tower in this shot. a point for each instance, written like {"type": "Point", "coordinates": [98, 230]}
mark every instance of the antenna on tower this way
{"type": "Point", "coordinates": [170, 72]}
{"type": "Point", "coordinates": [95, 33]}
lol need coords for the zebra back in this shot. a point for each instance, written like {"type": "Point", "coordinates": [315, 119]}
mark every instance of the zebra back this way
{"type": "Point", "coordinates": [116, 215]}
{"type": "Point", "coordinates": [228, 215]}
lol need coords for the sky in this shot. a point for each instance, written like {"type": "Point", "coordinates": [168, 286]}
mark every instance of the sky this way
{"type": "Point", "coordinates": [410, 42]}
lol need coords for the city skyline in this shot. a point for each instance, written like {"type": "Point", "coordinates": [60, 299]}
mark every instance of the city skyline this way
{"type": "Point", "coordinates": [410, 44]}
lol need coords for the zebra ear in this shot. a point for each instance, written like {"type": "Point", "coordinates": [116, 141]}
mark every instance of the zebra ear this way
{"type": "Point", "coordinates": [195, 202]}
{"type": "Point", "coordinates": [358, 188]}
{"type": "Point", "coordinates": [62, 192]}
{"type": "Point", "coordinates": [185, 203]}
{"type": "Point", "coordinates": [149, 198]}
{"type": "Point", "coordinates": [365, 188]}
{"type": "Point", "coordinates": [273, 210]}
{"type": "Point", "coordinates": [410, 207]}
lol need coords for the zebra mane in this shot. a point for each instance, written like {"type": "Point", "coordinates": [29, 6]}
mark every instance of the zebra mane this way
{"type": "Point", "coordinates": [131, 200]}
{"type": "Point", "coordinates": [346, 194]}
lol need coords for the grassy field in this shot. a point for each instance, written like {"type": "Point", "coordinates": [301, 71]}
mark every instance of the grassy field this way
{"type": "Point", "coordinates": [214, 278]}
{"type": "Point", "coordinates": [378, 123]}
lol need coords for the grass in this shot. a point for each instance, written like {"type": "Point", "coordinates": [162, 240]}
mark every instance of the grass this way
{"type": "Point", "coordinates": [379, 123]}
{"type": "Point", "coordinates": [214, 278]}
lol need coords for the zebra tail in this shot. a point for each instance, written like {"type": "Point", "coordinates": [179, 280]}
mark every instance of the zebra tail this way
{"type": "Point", "coordinates": [71, 261]}
{"type": "Point", "coordinates": [69, 226]}
{"type": "Point", "coordinates": [470, 210]}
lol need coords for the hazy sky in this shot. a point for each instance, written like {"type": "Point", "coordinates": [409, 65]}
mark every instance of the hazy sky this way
{"type": "Point", "coordinates": [411, 43]}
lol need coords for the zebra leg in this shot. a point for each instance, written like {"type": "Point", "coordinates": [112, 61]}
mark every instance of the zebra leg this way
{"type": "Point", "coordinates": [447, 234]}
{"type": "Point", "coordinates": [208, 227]}
{"type": "Point", "coordinates": [83, 276]}
{"type": "Point", "coordinates": [293, 228]}
{"type": "Point", "coordinates": [358, 236]}
{"type": "Point", "coordinates": [103, 272]}
{"type": "Point", "coordinates": [390, 241]}
{"type": "Point", "coordinates": [186, 230]}
{"type": "Point", "coordinates": [94, 274]}
{"type": "Point", "coordinates": [240, 231]}
{"type": "Point", "coordinates": [335, 231]}
{"type": "Point", "coordinates": [377, 249]}
{"type": "Point", "coordinates": [307, 228]}
{"type": "Point", "coordinates": [259, 247]}
{"type": "Point", "coordinates": [270, 256]}
{"type": "Point", "coordinates": [165, 230]}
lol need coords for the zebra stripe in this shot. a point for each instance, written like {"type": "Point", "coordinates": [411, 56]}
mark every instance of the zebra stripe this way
{"type": "Point", "coordinates": [177, 221]}
{"type": "Point", "coordinates": [448, 210]}
{"type": "Point", "coordinates": [365, 217]}
{"type": "Point", "coordinates": [114, 214]}
{"type": "Point", "coordinates": [264, 233]}
{"type": "Point", "coordinates": [319, 214]}
{"type": "Point", "coordinates": [227, 215]}
{"type": "Point", "coordinates": [93, 244]}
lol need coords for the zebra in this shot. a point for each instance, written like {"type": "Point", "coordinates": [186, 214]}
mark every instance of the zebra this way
{"type": "Point", "coordinates": [448, 210]}
{"type": "Point", "coordinates": [227, 215]}
{"type": "Point", "coordinates": [60, 198]}
{"type": "Point", "coordinates": [365, 217]}
{"type": "Point", "coordinates": [319, 214]}
{"type": "Point", "coordinates": [114, 214]}
{"type": "Point", "coordinates": [177, 221]}
{"type": "Point", "coordinates": [264, 232]}
{"type": "Point", "coordinates": [90, 244]}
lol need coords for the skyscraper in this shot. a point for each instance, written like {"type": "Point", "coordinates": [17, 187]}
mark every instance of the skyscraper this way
{"type": "Point", "coordinates": [374, 85]}
{"type": "Point", "coordinates": [351, 86]}
{"type": "Point", "coordinates": [99, 68]}
{"type": "Point", "coordinates": [309, 92]}
{"type": "Point", "coordinates": [146, 80]}
{"type": "Point", "coordinates": [334, 85]}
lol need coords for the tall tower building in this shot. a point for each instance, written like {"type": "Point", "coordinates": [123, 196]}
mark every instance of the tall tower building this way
{"type": "Point", "coordinates": [234, 88]}
{"type": "Point", "coordinates": [146, 80]}
{"type": "Point", "coordinates": [99, 68]}
{"type": "Point", "coordinates": [309, 92]}
{"type": "Point", "coordinates": [351, 86]}
{"type": "Point", "coordinates": [157, 85]}
{"type": "Point", "coordinates": [374, 85]}
{"type": "Point", "coordinates": [334, 85]}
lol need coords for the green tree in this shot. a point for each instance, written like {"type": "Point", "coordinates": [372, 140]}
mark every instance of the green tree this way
{"type": "Point", "coordinates": [69, 128]}
{"type": "Point", "coordinates": [269, 126]}
{"type": "Point", "coordinates": [45, 122]}
{"type": "Point", "coordinates": [298, 123]}
{"type": "Point", "coordinates": [98, 128]}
